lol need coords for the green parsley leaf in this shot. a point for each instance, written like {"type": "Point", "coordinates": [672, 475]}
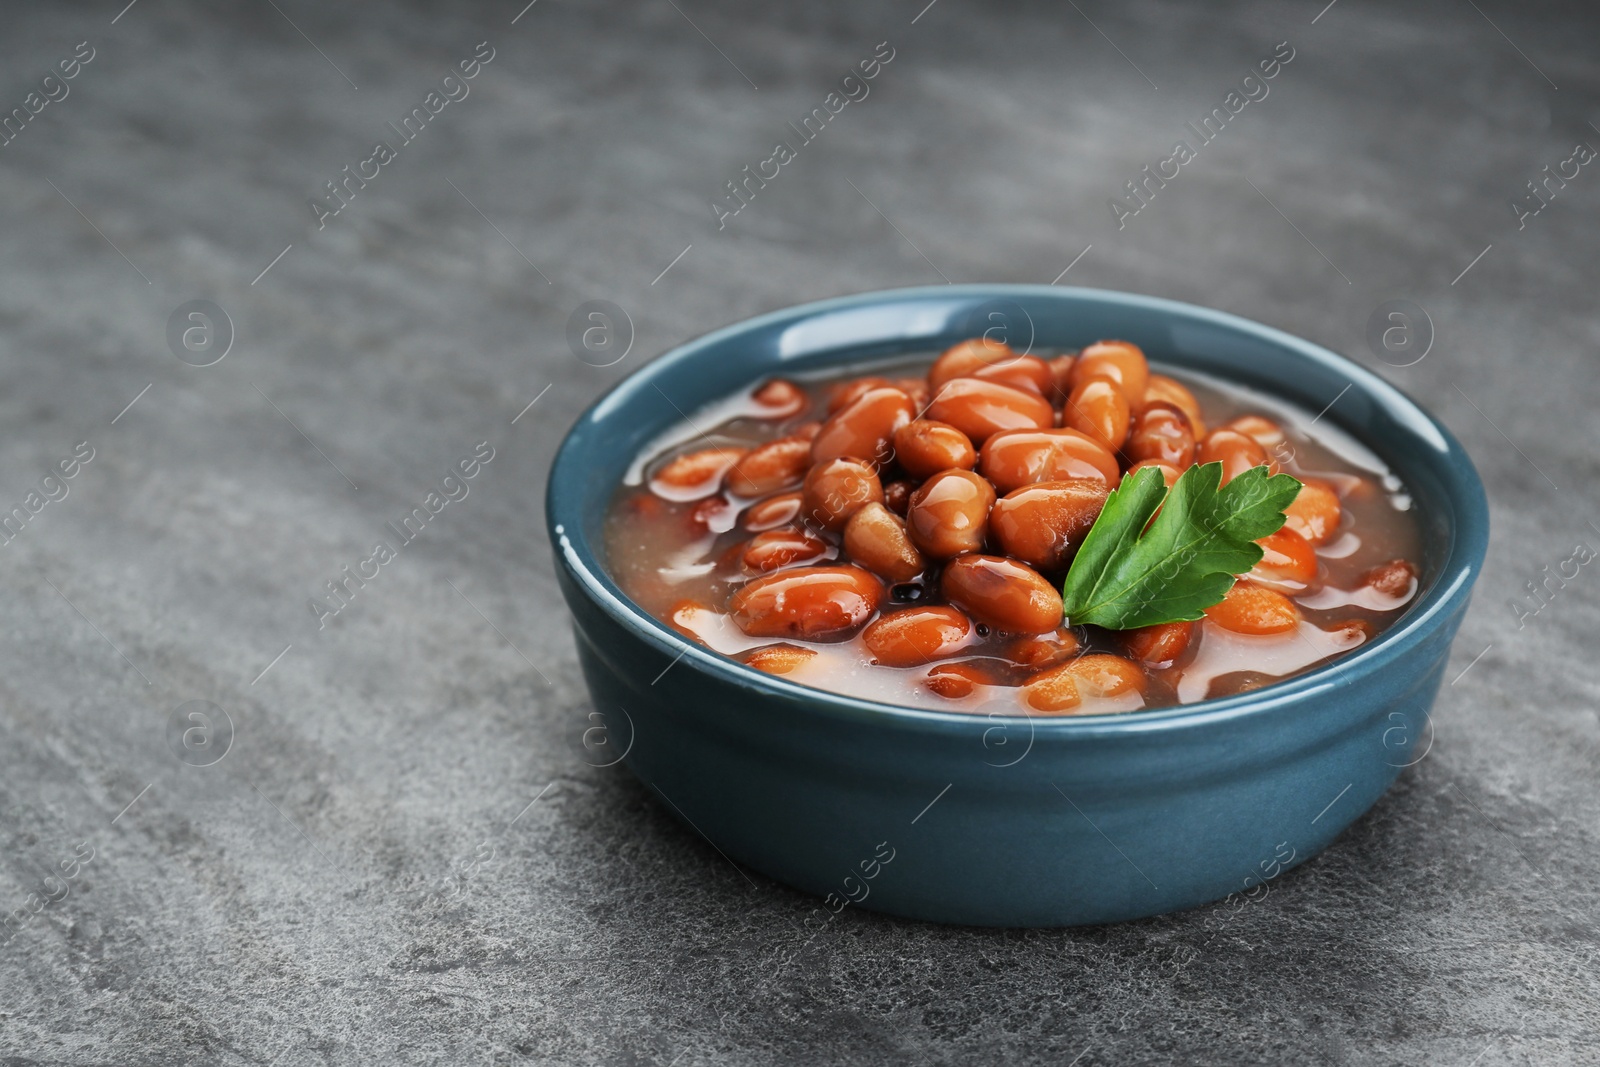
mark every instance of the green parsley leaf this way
{"type": "Point", "coordinates": [1131, 572]}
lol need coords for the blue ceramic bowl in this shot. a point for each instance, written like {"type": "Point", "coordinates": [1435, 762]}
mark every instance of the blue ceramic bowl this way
{"type": "Point", "coordinates": [1009, 820]}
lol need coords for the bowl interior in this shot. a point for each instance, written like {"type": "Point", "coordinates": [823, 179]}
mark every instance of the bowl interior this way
{"type": "Point", "coordinates": [837, 334]}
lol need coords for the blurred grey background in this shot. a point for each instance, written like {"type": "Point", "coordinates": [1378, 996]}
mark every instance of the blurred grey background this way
{"type": "Point", "coordinates": [397, 853]}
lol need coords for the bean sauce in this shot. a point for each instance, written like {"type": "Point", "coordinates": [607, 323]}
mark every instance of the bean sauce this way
{"type": "Point", "coordinates": [902, 533]}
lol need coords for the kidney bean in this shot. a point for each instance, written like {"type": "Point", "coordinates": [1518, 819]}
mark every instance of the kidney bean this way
{"type": "Point", "coordinates": [1002, 593]}
{"type": "Point", "coordinates": [806, 431]}
{"type": "Point", "coordinates": [779, 548]}
{"type": "Point", "coordinates": [916, 389]}
{"type": "Point", "coordinates": [1353, 631]}
{"type": "Point", "coordinates": [863, 428]}
{"type": "Point", "coordinates": [1397, 579]}
{"type": "Point", "coordinates": [684, 614]}
{"type": "Point", "coordinates": [992, 361]}
{"type": "Point", "coordinates": [1171, 391]}
{"type": "Point", "coordinates": [1233, 683]}
{"type": "Point", "coordinates": [1028, 373]}
{"type": "Point", "coordinates": [779, 399]}
{"type": "Point", "coordinates": [695, 474]}
{"type": "Point", "coordinates": [714, 514]}
{"type": "Point", "coordinates": [1169, 473]}
{"type": "Point", "coordinates": [1263, 431]}
{"type": "Point", "coordinates": [837, 489]}
{"type": "Point", "coordinates": [1286, 558]}
{"type": "Point", "coordinates": [842, 394]}
{"type": "Point", "coordinates": [1236, 452]}
{"type": "Point", "coordinates": [1053, 692]}
{"type": "Point", "coordinates": [778, 659]}
{"type": "Point", "coordinates": [957, 680]}
{"type": "Point", "coordinates": [949, 515]}
{"type": "Point", "coordinates": [1117, 361]}
{"type": "Point", "coordinates": [1161, 432]}
{"type": "Point", "coordinates": [1061, 379]}
{"type": "Point", "coordinates": [775, 465]}
{"type": "Point", "coordinates": [1314, 513]}
{"type": "Point", "coordinates": [981, 409]}
{"type": "Point", "coordinates": [876, 538]}
{"type": "Point", "coordinates": [809, 603]}
{"type": "Point", "coordinates": [1038, 652]}
{"type": "Point", "coordinates": [1108, 676]}
{"type": "Point", "coordinates": [1254, 609]}
{"type": "Point", "coordinates": [961, 359]}
{"type": "Point", "coordinates": [897, 495]}
{"type": "Point", "coordinates": [1159, 644]}
{"type": "Point", "coordinates": [1064, 689]}
{"type": "Point", "coordinates": [912, 637]}
{"type": "Point", "coordinates": [1098, 409]}
{"type": "Point", "coordinates": [1022, 457]}
{"type": "Point", "coordinates": [1043, 524]}
{"type": "Point", "coordinates": [772, 512]}
{"type": "Point", "coordinates": [730, 563]}
{"type": "Point", "coordinates": [925, 447]}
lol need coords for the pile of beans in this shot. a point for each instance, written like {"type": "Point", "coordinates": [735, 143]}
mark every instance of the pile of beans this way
{"type": "Point", "coordinates": [930, 520]}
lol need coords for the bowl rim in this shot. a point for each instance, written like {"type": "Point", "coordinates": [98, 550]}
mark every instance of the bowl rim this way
{"type": "Point", "coordinates": [1468, 530]}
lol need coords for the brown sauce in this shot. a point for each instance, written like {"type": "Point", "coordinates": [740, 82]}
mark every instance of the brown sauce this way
{"type": "Point", "coordinates": [683, 543]}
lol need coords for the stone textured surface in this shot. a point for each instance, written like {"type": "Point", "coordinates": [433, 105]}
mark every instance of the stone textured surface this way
{"type": "Point", "coordinates": [361, 879]}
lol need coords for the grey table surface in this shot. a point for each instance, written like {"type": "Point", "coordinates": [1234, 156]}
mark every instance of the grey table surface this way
{"type": "Point", "coordinates": [403, 856]}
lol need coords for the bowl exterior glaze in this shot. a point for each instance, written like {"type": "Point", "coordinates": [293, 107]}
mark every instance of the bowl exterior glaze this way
{"type": "Point", "coordinates": [1007, 819]}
